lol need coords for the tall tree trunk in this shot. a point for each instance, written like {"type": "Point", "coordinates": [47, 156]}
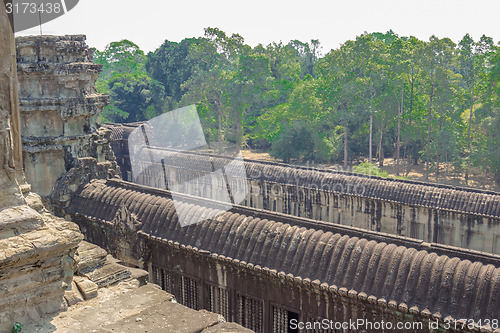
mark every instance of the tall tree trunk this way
{"type": "Point", "coordinates": [380, 147]}
{"type": "Point", "coordinates": [445, 165]}
{"type": "Point", "coordinates": [239, 131]}
{"type": "Point", "coordinates": [429, 134]}
{"type": "Point", "coordinates": [437, 156]}
{"type": "Point", "coordinates": [408, 144]}
{"type": "Point", "coordinates": [412, 81]}
{"type": "Point", "coordinates": [404, 159]}
{"type": "Point", "coordinates": [468, 135]}
{"type": "Point", "coordinates": [371, 139]}
{"type": "Point", "coordinates": [345, 140]}
{"type": "Point", "coordinates": [437, 166]}
{"type": "Point", "coordinates": [219, 122]}
{"type": "Point", "coordinates": [398, 142]}
{"type": "Point", "coordinates": [371, 129]}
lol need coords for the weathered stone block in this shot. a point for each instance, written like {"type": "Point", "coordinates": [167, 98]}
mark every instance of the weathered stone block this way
{"type": "Point", "coordinates": [72, 295]}
{"type": "Point", "coordinates": [108, 274]}
{"type": "Point", "coordinates": [89, 257]}
{"type": "Point", "coordinates": [60, 111]}
{"type": "Point", "coordinates": [140, 275]}
{"type": "Point", "coordinates": [19, 219]}
{"type": "Point", "coordinates": [35, 270]}
{"type": "Point", "coordinates": [87, 288]}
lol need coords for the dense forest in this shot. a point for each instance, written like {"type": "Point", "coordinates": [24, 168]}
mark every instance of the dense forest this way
{"type": "Point", "coordinates": [433, 102]}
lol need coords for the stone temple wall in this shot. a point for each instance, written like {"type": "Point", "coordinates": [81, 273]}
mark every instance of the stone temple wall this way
{"type": "Point", "coordinates": [261, 268]}
{"type": "Point", "coordinates": [63, 149]}
{"type": "Point", "coordinates": [436, 213]}
{"type": "Point", "coordinates": [36, 249]}
{"type": "Point", "coordinates": [60, 111]}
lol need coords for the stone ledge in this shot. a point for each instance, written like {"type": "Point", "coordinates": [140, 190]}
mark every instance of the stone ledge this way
{"type": "Point", "coordinates": [68, 48]}
{"type": "Point", "coordinates": [128, 308]}
{"type": "Point", "coordinates": [56, 236]}
{"type": "Point", "coordinates": [57, 69]}
{"type": "Point", "coordinates": [87, 288]}
{"type": "Point", "coordinates": [65, 107]}
{"type": "Point", "coordinates": [89, 257]}
{"type": "Point", "coordinates": [19, 219]}
{"type": "Point", "coordinates": [58, 101]}
{"type": "Point", "coordinates": [72, 295]}
{"type": "Point", "coordinates": [35, 270]}
{"type": "Point", "coordinates": [109, 274]}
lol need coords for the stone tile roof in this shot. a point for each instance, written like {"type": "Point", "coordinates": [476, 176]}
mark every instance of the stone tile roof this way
{"type": "Point", "coordinates": [412, 193]}
{"type": "Point", "coordinates": [121, 131]}
{"type": "Point", "coordinates": [388, 270]}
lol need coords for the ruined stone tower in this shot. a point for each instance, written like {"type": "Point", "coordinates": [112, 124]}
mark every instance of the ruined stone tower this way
{"type": "Point", "coordinates": [60, 112]}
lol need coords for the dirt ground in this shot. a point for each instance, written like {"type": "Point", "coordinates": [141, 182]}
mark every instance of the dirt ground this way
{"type": "Point", "coordinates": [477, 179]}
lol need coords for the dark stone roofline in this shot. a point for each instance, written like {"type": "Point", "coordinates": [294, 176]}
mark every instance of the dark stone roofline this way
{"type": "Point", "coordinates": [413, 194]}
{"type": "Point", "coordinates": [133, 125]}
{"type": "Point", "coordinates": [451, 251]}
{"type": "Point", "coordinates": [347, 173]}
{"type": "Point", "coordinates": [377, 270]}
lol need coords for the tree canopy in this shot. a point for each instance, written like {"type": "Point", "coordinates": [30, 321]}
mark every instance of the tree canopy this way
{"type": "Point", "coordinates": [432, 102]}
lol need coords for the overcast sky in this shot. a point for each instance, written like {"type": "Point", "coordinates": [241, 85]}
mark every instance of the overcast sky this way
{"type": "Point", "coordinates": [149, 22]}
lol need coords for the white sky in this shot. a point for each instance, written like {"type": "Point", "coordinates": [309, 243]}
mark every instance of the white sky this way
{"type": "Point", "coordinates": [149, 22]}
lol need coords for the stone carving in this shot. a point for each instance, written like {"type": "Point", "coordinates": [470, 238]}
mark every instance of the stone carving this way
{"type": "Point", "coordinates": [126, 244]}
{"type": "Point", "coordinates": [7, 162]}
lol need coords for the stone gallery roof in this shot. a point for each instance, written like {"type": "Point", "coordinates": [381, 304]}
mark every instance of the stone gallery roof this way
{"type": "Point", "coordinates": [412, 193]}
{"type": "Point", "coordinates": [121, 131]}
{"type": "Point", "coordinates": [401, 273]}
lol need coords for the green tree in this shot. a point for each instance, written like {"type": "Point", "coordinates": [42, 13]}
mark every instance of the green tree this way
{"type": "Point", "coordinates": [209, 85]}
{"type": "Point", "coordinates": [119, 58]}
{"type": "Point", "coordinates": [399, 65]}
{"type": "Point", "coordinates": [436, 63]}
{"type": "Point", "coordinates": [486, 134]}
{"type": "Point", "coordinates": [171, 65]}
{"type": "Point", "coordinates": [472, 58]}
{"type": "Point", "coordinates": [338, 79]}
{"type": "Point", "coordinates": [133, 94]}
{"type": "Point", "coordinates": [368, 54]}
{"type": "Point", "coordinates": [139, 96]}
{"type": "Point", "coordinates": [293, 142]}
